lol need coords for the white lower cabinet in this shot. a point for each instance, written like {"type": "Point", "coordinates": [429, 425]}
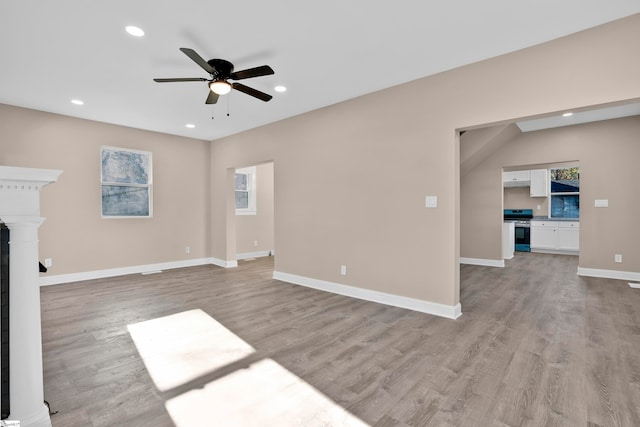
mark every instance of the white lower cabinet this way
{"type": "Point", "coordinates": [508, 239]}
{"type": "Point", "coordinates": [569, 236]}
{"type": "Point", "coordinates": [544, 235]}
{"type": "Point", "coordinates": [559, 236]}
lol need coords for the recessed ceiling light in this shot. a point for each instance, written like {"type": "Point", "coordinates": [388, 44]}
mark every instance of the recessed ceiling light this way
{"type": "Point", "coordinates": [134, 31]}
{"type": "Point", "coordinates": [280, 89]}
{"type": "Point", "coordinates": [77, 102]}
{"type": "Point", "coordinates": [190, 125]}
{"type": "Point", "coordinates": [567, 114]}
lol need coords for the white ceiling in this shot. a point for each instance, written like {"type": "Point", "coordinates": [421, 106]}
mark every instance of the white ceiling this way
{"type": "Point", "coordinates": [323, 52]}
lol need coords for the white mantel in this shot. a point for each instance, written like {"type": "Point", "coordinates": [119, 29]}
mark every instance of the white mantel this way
{"type": "Point", "coordinates": [20, 187]}
{"type": "Point", "coordinates": [20, 212]}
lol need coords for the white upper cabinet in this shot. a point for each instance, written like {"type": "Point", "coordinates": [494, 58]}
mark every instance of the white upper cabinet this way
{"type": "Point", "coordinates": [539, 184]}
{"type": "Point", "coordinates": [537, 180]}
{"type": "Point", "coordinates": [516, 178]}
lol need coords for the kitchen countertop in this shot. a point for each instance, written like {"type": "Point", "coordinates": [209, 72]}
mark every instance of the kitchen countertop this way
{"type": "Point", "coordinates": [546, 218]}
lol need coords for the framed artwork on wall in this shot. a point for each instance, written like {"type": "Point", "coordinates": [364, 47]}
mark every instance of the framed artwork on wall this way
{"type": "Point", "coordinates": [125, 180]}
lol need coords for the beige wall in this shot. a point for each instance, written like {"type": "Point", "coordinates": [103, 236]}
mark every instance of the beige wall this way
{"type": "Point", "coordinates": [74, 236]}
{"type": "Point", "coordinates": [352, 178]}
{"type": "Point", "coordinates": [519, 198]}
{"type": "Point", "coordinates": [259, 227]}
{"type": "Point", "coordinates": [607, 151]}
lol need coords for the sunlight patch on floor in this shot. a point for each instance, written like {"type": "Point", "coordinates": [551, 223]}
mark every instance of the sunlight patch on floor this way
{"type": "Point", "coordinates": [186, 346]}
{"type": "Point", "coordinates": [265, 394]}
{"type": "Point", "coordinates": [182, 347]}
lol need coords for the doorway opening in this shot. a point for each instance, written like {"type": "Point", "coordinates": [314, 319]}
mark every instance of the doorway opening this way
{"type": "Point", "coordinates": [563, 153]}
{"type": "Point", "coordinates": [254, 211]}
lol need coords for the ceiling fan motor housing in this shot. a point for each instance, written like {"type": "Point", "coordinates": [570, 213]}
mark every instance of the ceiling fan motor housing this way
{"type": "Point", "coordinates": [223, 68]}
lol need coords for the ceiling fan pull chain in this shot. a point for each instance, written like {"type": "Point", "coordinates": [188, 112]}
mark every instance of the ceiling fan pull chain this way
{"type": "Point", "coordinates": [228, 103]}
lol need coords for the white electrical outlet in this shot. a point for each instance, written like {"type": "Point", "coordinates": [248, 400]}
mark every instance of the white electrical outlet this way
{"type": "Point", "coordinates": [48, 262]}
{"type": "Point", "coordinates": [187, 250]}
{"type": "Point", "coordinates": [343, 270]}
{"type": "Point", "coordinates": [618, 258]}
{"type": "Point", "coordinates": [255, 243]}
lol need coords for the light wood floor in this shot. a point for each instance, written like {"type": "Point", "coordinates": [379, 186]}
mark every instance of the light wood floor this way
{"type": "Point", "coordinates": [536, 346]}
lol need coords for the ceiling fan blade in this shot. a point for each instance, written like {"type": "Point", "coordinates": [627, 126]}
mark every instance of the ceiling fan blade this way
{"type": "Point", "coordinates": [198, 60]}
{"type": "Point", "coordinates": [263, 70]}
{"type": "Point", "coordinates": [212, 98]}
{"type": "Point", "coordinates": [251, 91]}
{"type": "Point", "coordinates": [180, 79]}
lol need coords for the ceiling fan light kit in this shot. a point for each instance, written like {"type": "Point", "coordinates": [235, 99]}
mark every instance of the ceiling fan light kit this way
{"type": "Point", "coordinates": [220, 71]}
{"type": "Point", "coordinates": [220, 87]}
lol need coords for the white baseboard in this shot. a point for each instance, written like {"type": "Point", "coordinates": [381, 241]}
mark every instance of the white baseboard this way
{"type": "Point", "coordinates": [223, 263]}
{"type": "Point", "coordinates": [483, 262]}
{"type": "Point", "coordinates": [555, 252]}
{"type": "Point", "coordinates": [442, 310]}
{"type": "Point", "coordinates": [609, 274]}
{"type": "Point", "coordinates": [138, 269]}
{"type": "Point", "coordinates": [258, 254]}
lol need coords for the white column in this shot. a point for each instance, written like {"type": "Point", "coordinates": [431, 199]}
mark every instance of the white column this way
{"type": "Point", "coordinates": [25, 331]}
{"type": "Point", "coordinates": [20, 212]}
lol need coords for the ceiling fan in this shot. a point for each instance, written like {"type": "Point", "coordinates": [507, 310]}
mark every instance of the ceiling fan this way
{"type": "Point", "coordinates": [220, 72]}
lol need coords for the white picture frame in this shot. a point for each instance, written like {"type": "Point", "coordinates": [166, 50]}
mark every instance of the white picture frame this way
{"type": "Point", "coordinates": [126, 183]}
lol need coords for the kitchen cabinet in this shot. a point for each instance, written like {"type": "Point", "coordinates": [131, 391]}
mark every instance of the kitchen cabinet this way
{"type": "Point", "coordinates": [544, 235]}
{"type": "Point", "coordinates": [569, 236]}
{"type": "Point", "coordinates": [539, 185]}
{"type": "Point", "coordinates": [508, 239]}
{"type": "Point", "coordinates": [537, 180]}
{"type": "Point", "coordinates": [555, 236]}
{"type": "Point", "coordinates": [516, 178]}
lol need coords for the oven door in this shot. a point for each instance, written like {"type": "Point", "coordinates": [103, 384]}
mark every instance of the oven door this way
{"type": "Point", "coordinates": [523, 238]}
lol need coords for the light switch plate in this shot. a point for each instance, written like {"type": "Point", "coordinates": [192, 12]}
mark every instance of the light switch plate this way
{"type": "Point", "coordinates": [602, 203]}
{"type": "Point", "coordinates": [431, 201]}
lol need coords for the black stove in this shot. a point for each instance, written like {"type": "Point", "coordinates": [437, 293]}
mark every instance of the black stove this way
{"type": "Point", "coordinates": [522, 220]}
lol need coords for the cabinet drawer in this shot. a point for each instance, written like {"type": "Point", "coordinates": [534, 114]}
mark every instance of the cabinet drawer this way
{"type": "Point", "coordinates": [543, 224]}
{"type": "Point", "coordinates": [569, 225]}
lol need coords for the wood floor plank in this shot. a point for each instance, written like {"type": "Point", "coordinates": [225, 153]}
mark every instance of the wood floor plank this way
{"type": "Point", "coordinates": [536, 346]}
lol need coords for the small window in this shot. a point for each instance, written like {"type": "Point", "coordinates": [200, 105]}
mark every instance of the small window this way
{"type": "Point", "coordinates": [565, 193]}
{"type": "Point", "coordinates": [246, 191]}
